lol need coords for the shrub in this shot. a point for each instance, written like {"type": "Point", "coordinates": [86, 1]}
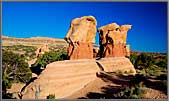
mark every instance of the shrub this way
{"type": "Point", "coordinates": [51, 96]}
{"type": "Point", "coordinates": [131, 92]}
{"type": "Point", "coordinates": [144, 61]}
{"type": "Point", "coordinates": [14, 69]}
{"type": "Point", "coordinates": [29, 51]}
{"type": "Point", "coordinates": [133, 58]}
{"type": "Point", "coordinates": [49, 57]}
{"type": "Point", "coordinates": [147, 64]}
{"type": "Point", "coordinates": [162, 63]}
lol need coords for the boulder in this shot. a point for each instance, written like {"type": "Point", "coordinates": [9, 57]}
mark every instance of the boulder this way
{"type": "Point", "coordinates": [81, 36]}
{"type": "Point", "coordinates": [62, 78]}
{"type": "Point", "coordinates": [113, 40]}
{"type": "Point", "coordinates": [118, 65]}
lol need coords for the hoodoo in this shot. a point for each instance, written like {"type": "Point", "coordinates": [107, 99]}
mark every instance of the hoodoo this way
{"type": "Point", "coordinates": [113, 40]}
{"type": "Point", "coordinates": [80, 37]}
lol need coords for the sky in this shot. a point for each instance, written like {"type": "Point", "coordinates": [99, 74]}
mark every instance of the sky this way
{"type": "Point", "coordinates": [52, 19]}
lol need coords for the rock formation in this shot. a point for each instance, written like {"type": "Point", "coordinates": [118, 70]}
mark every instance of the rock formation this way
{"type": "Point", "coordinates": [64, 78]}
{"type": "Point", "coordinates": [41, 50]}
{"type": "Point", "coordinates": [113, 40]}
{"type": "Point", "coordinates": [81, 36]}
{"type": "Point", "coordinates": [118, 65]}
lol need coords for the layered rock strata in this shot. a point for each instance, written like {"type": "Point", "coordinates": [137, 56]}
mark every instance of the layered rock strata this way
{"type": "Point", "coordinates": [64, 78]}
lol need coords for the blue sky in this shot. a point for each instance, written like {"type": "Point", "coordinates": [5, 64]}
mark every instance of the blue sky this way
{"type": "Point", "coordinates": [52, 19]}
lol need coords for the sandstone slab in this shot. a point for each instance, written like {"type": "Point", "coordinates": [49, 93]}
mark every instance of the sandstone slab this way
{"type": "Point", "coordinates": [62, 79]}
{"type": "Point", "coordinates": [118, 65]}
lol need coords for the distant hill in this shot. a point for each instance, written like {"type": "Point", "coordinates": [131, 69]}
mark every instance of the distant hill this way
{"type": "Point", "coordinates": [32, 41]}
{"type": "Point", "coordinates": [155, 53]}
{"type": "Point", "coordinates": [52, 43]}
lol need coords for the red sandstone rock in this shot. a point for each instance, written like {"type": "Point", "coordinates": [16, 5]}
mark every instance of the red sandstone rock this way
{"type": "Point", "coordinates": [117, 50]}
{"type": "Point", "coordinates": [81, 36]}
{"type": "Point", "coordinates": [80, 51]}
{"type": "Point", "coordinates": [113, 40]}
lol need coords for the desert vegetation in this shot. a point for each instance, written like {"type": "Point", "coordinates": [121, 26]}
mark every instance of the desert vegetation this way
{"type": "Point", "coordinates": [150, 80]}
{"type": "Point", "coordinates": [14, 70]}
{"type": "Point", "coordinates": [27, 51]}
{"type": "Point", "coordinates": [149, 64]}
{"type": "Point", "coordinates": [151, 73]}
{"type": "Point", "coordinates": [51, 96]}
{"type": "Point", "coordinates": [49, 57]}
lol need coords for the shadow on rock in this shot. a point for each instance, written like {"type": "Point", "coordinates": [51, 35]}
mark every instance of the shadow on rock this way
{"type": "Point", "coordinates": [107, 93]}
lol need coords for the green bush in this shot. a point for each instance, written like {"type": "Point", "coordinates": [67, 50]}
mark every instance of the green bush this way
{"type": "Point", "coordinates": [29, 51]}
{"type": "Point", "coordinates": [51, 96]}
{"type": "Point", "coordinates": [133, 58]}
{"type": "Point", "coordinates": [162, 63]}
{"type": "Point", "coordinates": [131, 92]}
{"type": "Point", "coordinates": [14, 69]}
{"type": "Point", "coordinates": [149, 65]}
{"type": "Point", "coordinates": [143, 61]}
{"type": "Point", "coordinates": [49, 57]}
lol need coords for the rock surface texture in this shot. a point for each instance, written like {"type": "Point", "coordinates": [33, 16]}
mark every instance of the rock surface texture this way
{"type": "Point", "coordinates": [81, 36]}
{"type": "Point", "coordinates": [113, 40]}
{"type": "Point", "coordinates": [64, 78]}
{"type": "Point", "coordinates": [118, 65]}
